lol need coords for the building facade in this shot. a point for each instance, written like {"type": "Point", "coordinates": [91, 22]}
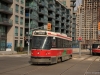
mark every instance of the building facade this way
{"type": "Point", "coordinates": [71, 5]}
{"type": "Point", "coordinates": [11, 25]}
{"type": "Point", "coordinates": [47, 11]}
{"type": "Point", "coordinates": [16, 15]}
{"type": "Point", "coordinates": [89, 21]}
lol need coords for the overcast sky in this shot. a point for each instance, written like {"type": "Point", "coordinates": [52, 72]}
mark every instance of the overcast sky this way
{"type": "Point", "coordinates": [78, 2]}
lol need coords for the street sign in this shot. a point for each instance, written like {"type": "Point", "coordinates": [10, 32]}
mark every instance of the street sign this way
{"type": "Point", "coordinates": [45, 26]}
{"type": "Point", "coordinates": [79, 38]}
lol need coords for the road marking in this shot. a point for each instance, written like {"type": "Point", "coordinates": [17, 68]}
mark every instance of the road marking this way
{"type": "Point", "coordinates": [78, 58]}
{"type": "Point", "coordinates": [97, 59]}
{"type": "Point", "coordinates": [90, 59]}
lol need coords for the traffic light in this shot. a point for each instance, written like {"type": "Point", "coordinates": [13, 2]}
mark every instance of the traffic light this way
{"type": "Point", "coordinates": [98, 37]}
{"type": "Point", "coordinates": [24, 38]}
{"type": "Point", "coordinates": [99, 26]}
{"type": "Point", "coordinates": [49, 26]}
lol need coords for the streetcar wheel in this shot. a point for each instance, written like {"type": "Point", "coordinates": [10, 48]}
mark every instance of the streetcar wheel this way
{"type": "Point", "coordinates": [70, 56]}
{"type": "Point", "coordinates": [92, 53]}
{"type": "Point", "coordinates": [59, 60]}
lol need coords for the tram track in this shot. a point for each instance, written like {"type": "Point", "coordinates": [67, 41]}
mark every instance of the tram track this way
{"type": "Point", "coordinates": [74, 65]}
{"type": "Point", "coordinates": [23, 67]}
{"type": "Point", "coordinates": [86, 72]}
{"type": "Point", "coordinates": [36, 68]}
{"type": "Point", "coordinates": [13, 68]}
{"type": "Point", "coordinates": [27, 73]}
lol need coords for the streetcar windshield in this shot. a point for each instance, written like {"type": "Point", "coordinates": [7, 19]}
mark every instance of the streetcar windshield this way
{"type": "Point", "coordinates": [95, 45]}
{"type": "Point", "coordinates": [41, 42]}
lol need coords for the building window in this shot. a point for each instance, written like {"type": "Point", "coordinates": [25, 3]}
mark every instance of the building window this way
{"type": "Point", "coordinates": [21, 43]}
{"type": "Point", "coordinates": [16, 45]}
{"type": "Point", "coordinates": [2, 45]}
{"type": "Point", "coordinates": [21, 20]}
{"type": "Point", "coordinates": [21, 10]}
{"type": "Point", "coordinates": [21, 31]}
{"type": "Point", "coordinates": [16, 31]}
{"type": "Point", "coordinates": [16, 19]}
{"type": "Point", "coordinates": [64, 3]}
{"type": "Point", "coordinates": [22, 1]}
{"type": "Point", "coordinates": [2, 30]}
{"type": "Point", "coordinates": [17, 8]}
{"type": "Point", "coordinates": [17, 0]}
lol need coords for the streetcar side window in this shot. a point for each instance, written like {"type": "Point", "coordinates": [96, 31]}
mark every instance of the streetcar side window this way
{"type": "Point", "coordinates": [53, 43]}
{"type": "Point", "coordinates": [59, 43]}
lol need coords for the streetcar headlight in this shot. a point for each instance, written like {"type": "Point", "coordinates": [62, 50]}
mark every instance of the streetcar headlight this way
{"type": "Point", "coordinates": [38, 53]}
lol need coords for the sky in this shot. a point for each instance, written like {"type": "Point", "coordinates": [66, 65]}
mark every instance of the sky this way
{"type": "Point", "coordinates": [78, 2]}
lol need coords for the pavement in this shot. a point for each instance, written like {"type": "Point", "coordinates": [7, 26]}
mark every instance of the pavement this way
{"type": "Point", "coordinates": [14, 55]}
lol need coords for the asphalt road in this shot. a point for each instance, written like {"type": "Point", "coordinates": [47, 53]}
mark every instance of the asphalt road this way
{"type": "Point", "coordinates": [19, 65]}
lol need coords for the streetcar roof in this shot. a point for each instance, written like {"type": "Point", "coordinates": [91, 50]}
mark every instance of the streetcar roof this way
{"type": "Point", "coordinates": [52, 34]}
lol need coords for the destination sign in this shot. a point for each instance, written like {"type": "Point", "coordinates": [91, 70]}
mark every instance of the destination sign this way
{"type": "Point", "coordinates": [40, 33]}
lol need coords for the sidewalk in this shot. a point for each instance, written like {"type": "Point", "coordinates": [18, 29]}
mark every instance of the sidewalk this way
{"type": "Point", "coordinates": [14, 55]}
{"type": "Point", "coordinates": [76, 50]}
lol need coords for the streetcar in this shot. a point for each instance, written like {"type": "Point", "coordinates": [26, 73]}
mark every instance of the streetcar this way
{"type": "Point", "coordinates": [50, 47]}
{"type": "Point", "coordinates": [95, 48]}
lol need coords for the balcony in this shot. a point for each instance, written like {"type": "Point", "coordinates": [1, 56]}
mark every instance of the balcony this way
{"type": "Point", "coordinates": [57, 25]}
{"type": "Point", "coordinates": [63, 15]}
{"type": "Point", "coordinates": [57, 18]}
{"type": "Point", "coordinates": [42, 3]}
{"type": "Point", "coordinates": [74, 16]}
{"type": "Point", "coordinates": [58, 6]}
{"type": "Point", "coordinates": [8, 1]}
{"type": "Point", "coordinates": [68, 29]}
{"type": "Point", "coordinates": [41, 11]}
{"type": "Point", "coordinates": [32, 7]}
{"type": "Point", "coordinates": [51, 2]}
{"type": "Point", "coordinates": [6, 10]}
{"type": "Point", "coordinates": [72, 5]}
{"type": "Point", "coordinates": [72, 0]}
{"type": "Point", "coordinates": [6, 22]}
{"type": "Point", "coordinates": [74, 22]}
{"type": "Point", "coordinates": [41, 20]}
{"type": "Point", "coordinates": [52, 8]}
{"type": "Point", "coordinates": [58, 12]}
{"type": "Point", "coordinates": [51, 16]}
{"type": "Point", "coordinates": [67, 24]}
{"type": "Point", "coordinates": [63, 21]}
{"type": "Point", "coordinates": [62, 27]}
{"type": "Point", "coordinates": [52, 22]}
{"type": "Point", "coordinates": [35, 17]}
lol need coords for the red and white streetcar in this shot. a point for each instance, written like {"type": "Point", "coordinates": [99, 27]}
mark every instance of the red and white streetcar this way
{"type": "Point", "coordinates": [95, 48]}
{"type": "Point", "coordinates": [50, 47]}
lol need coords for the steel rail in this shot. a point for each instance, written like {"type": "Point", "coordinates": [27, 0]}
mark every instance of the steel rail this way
{"type": "Point", "coordinates": [74, 65]}
{"type": "Point", "coordinates": [90, 65]}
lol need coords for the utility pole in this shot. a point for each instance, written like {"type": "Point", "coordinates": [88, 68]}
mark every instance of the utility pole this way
{"type": "Point", "coordinates": [80, 30]}
{"type": "Point", "coordinates": [91, 26]}
{"type": "Point", "coordinates": [29, 32]}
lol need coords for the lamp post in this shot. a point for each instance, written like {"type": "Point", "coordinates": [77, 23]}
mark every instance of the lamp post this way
{"type": "Point", "coordinates": [90, 38]}
{"type": "Point", "coordinates": [29, 32]}
{"type": "Point", "coordinates": [80, 30]}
